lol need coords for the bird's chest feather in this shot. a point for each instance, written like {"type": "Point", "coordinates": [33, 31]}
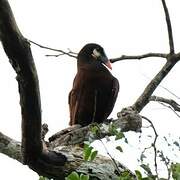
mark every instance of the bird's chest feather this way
{"type": "Point", "coordinates": [92, 81]}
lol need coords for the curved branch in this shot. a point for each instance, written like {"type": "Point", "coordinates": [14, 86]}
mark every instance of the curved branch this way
{"type": "Point", "coordinates": [172, 103]}
{"type": "Point", "coordinates": [169, 27]}
{"type": "Point", "coordinates": [19, 54]}
{"type": "Point", "coordinates": [153, 144]}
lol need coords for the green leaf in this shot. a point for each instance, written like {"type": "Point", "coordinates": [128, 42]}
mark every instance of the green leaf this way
{"type": "Point", "coordinates": [142, 157]}
{"type": "Point", "coordinates": [125, 176]}
{"type": "Point", "coordinates": [112, 129]}
{"type": "Point", "coordinates": [43, 178]}
{"type": "Point", "coordinates": [87, 152]}
{"type": "Point", "coordinates": [147, 169]}
{"type": "Point", "coordinates": [85, 146]}
{"type": "Point", "coordinates": [125, 173]}
{"type": "Point", "coordinates": [73, 176]}
{"type": "Point", "coordinates": [93, 155]}
{"type": "Point", "coordinates": [138, 175]}
{"type": "Point", "coordinates": [119, 135]}
{"type": "Point", "coordinates": [95, 129]}
{"type": "Point", "coordinates": [176, 171]}
{"type": "Point", "coordinates": [119, 148]}
{"type": "Point", "coordinates": [84, 177]}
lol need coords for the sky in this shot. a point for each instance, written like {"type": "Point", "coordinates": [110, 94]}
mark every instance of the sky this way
{"type": "Point", "coordinates": [121, 27]}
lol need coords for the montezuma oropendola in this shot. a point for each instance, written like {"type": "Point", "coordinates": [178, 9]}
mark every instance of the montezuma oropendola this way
{"type": "Point", "coordinates": [95, 89]}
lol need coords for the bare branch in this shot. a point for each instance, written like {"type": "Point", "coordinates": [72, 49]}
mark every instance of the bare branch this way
{"type": "Point", "coordinates": [69, 53]}
{"type": "Point", "coordinates": [154, 143]}
{"type": "Point", "coordinates": [169, 27]}
{"type": "Point", "coordinates": [10, 147]}
{"type": "Point", "coordinates": [150, 88]}
{"type": "Point", "coordinates": [125, 57]}
{"type": "Point", "coordinates": [172, 103]}
{"type": "Point", "coordinates": [169, 107]}
{"type": "Point", "coordinates": [169, 91]}
{"type": "Point", "coordinates": [113, 160]}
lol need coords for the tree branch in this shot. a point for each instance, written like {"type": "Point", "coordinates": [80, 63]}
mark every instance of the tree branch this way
{"type": "Point", "coordinates": [101, 168]}
{"type": "Point", "coordinates": [70, 53]}
{"type": "Point", "coordinates": [19, 54]}
{"type": "Point", "coordinates": [10, 147]}
{"type": "Point", "coordinates": [17, 49]}
{"type": "Point", "coordinates": [150, 88]}
{"type": "Point", "coordinates": [169, 27]}
{"type": "Point", "coordinates": [172, 103]}
{"type": "Point", "coordinates": [125, 57]}
{"type": "Point", "coordinates": [153, 144]}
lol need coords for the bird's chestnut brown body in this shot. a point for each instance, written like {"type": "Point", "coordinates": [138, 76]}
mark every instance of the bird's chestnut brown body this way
{"type": "Point", "coordinates": [95, 89]}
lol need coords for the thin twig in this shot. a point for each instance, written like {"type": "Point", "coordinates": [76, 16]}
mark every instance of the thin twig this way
{"type": "Point", "coordinates": [135, 57]}
{"type": "Point", "coordinates": [70, 53]}
{"type": "Point", "coordinates": [169, 91]}
{"type": "Point", "coordinates": [170, 109]}
{"type": "Point", "coordinates": [169, 27]}
{"type": "Point", "coordinates": [113, 160]}
{"type": "Point", "coordinates": [174, 105]}
{"type": "Point", "coordinates": [154, 143]}
{"type": "Point", "coordinates": [166, 161]}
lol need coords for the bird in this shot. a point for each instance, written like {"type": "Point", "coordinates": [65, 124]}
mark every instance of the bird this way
{"type": "Point", "coordinates": [95, 89]}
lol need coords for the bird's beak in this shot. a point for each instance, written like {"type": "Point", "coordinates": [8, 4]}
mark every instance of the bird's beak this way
{"type": "Point", "coordinates": [108, 64]}
{"type": "Point", "coordinates": [106, 61]}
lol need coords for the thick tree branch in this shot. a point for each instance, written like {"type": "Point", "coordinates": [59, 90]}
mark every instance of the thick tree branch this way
{"type": "Point", "coordinates": [17, 49]}
{"type": "Point", "coordinates": [19, 54]}
{"type": "Point", "coordinates": [10, 147]}
{"type": "Point", "coordinates": [144, 98]}
{"type": "Point", "coordinates": [101, 168]}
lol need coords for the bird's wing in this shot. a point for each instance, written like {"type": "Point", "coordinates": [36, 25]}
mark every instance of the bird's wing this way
{"type": "Point", "coordinates": [74, 99]}
{"type": "Point", "coordinates": [113, 97]}
{"type": "Point", "coordinates": [81, 100]}
{"type": "Point", "coordinates": [73, 106]}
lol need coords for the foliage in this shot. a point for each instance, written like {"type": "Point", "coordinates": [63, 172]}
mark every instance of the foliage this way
{"type": "Point", "coordinates": [88, 153]}
{"type": "Point", "coordinates": [75, 176]}
{"type": "Point", "coordinates": [43, 178]}
{"type": "Point", "coordinates": [125, 176]}
{"type": "Point", "coordinates": [175, 168]}
{"type": "Point", "coordinates": [115, 132]}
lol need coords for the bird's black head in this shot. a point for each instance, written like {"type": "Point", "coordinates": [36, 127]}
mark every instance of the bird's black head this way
{"type": "Point", "coordinates": [93, 52]}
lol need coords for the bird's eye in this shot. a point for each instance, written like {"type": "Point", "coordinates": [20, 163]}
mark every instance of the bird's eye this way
{"type": "Point", "coordinates": [96, 53]}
